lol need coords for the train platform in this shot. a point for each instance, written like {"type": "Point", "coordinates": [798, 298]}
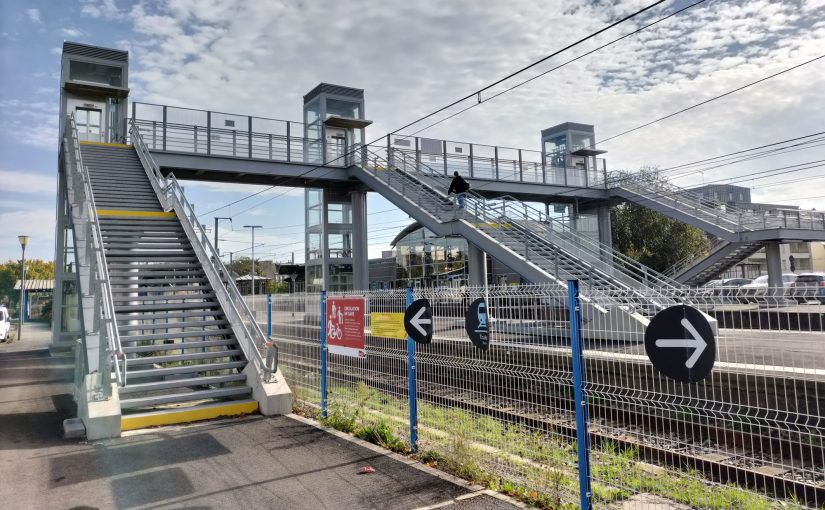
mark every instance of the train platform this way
{"type": "Point", "coordinates": [255, 462]}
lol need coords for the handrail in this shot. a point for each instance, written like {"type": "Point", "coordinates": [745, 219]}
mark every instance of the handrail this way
{"type": "Point", "coordinates": [101, 289]}
{"type": "Point", "coordinates": [171, 196]}
{"type": "Point", "coordinates": [417, 190]}
{"type": "Point", "coordinates": [581, 244]}
{"type": "Point", "coordinates": [738, 218]}
{"type": "Point", "coordinates": [685, 262]}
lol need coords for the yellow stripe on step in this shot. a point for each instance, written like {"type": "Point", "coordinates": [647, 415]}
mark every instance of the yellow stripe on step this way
{"type": "Point", "coordinates": [143, 421]}
{"type": "Point", "coordinates": [142, 214]}
{"type": "Point", "coordinates": [104, 144]}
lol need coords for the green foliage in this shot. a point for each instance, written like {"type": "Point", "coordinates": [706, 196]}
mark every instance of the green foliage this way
{"type": "Point", "coordinates": [341, 417]}
{"type": "Point", "coordinates": [277, 287]}
{"type": "Point", "coordinates": [10, 272]}
{"type": "Point", "coordinates": [381, 433]}
{"type": "Point", "coordinates": [651, 237]}
{"type": "Point", "coordinates": [243, 266]}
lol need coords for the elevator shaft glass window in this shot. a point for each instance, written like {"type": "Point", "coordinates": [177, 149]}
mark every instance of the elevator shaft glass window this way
{"type": "Point", "coordinates": [88, 124]}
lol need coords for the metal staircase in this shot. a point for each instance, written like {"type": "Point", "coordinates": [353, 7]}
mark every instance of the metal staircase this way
{"type": "Point", "coordinates": [161, 314]}
{"type": "Point", "coordinates": [723, 255]}
{"type": "Point", "coordinates": [181, 352]}
{"type": "Point", "coordinates": [541, 249]}
{"type": "Point", "coordinates": [713, 216]}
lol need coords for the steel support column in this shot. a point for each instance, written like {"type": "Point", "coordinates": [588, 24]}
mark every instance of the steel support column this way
{"type": "Point", "coordinates": [360, 254]}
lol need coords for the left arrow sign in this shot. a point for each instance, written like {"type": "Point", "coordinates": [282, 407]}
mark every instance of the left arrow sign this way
{"type": "Point", "coordinates": [418, 321]}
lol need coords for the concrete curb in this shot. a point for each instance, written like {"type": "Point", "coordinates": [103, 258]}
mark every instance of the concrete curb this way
{"type": "Point", "coordinates": [475, 490]}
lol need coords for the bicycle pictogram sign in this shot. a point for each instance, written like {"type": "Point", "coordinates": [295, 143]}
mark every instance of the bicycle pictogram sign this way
{"type": "Point", "coordinates": [345, 326]}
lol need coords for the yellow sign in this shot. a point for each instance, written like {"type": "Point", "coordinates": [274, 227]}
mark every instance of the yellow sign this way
{"type": "Point", "coordinates": [390, 325]}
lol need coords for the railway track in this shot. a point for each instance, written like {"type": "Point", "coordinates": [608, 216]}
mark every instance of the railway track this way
{"type": "Point", "coordinates": [722, 429]}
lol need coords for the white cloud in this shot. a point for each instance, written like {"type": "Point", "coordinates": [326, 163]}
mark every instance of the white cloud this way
{"type": "Point", "coordinates": [31, 122]}
{"type": "Point", "coordinates": [71, 32]}
{"type": "Point", "coordinates": [34, 16]}
{"type": "Point", "coordinates": [57, 50]}
{"type": "Point", "coordinates": [17, 181]}
{"type": "Point", "coordinates": [102, 9]}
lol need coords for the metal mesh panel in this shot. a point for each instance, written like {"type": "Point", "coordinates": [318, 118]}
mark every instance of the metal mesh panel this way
{"type": "Point", "coordinates": [748, 436]}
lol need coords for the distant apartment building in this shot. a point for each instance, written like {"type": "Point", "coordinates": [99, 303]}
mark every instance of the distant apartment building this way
{"type": "Point", "coordinates": [805, 257]}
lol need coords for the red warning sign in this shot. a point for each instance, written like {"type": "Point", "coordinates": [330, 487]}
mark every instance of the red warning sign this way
{"type": "Point", "coordinates": [345, 326]}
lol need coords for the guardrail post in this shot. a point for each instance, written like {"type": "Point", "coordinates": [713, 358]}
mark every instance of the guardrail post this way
{"type": "Point", "coordinates": [495, 156]}
{"type": "Point", "coordinates": [208, 133]}
{"type": "Point", "coordinates": [288, 143]}
{"type": "Point", "coordinates": [270, 146]}
{"type": "Point", "coordinates": [413, 385]}
{"type": "Point", "coordinates": [269, 315]}
{"type": "Point", "coordinates": [234, 143]}
{"type": "Point", "coordinates": [323, 354]}
{"type": "Point", "coordinates": [444, 154]}
{"type": "Point", "coordinates": [520, 169]}
{"type": "Point", "coordinates": [249, 138]}
{"type": "Point", "coordinates": [470, 160]}
{"type": "Point", "coordinates": [164, 128]}
{"type": "Point", "coordinates": [582, 436]}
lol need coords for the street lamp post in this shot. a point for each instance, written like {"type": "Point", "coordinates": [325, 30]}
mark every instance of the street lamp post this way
{"type": "Point", "coordinates": [24, 241]}
{"type": "Point", "coordinates": [253, 227]}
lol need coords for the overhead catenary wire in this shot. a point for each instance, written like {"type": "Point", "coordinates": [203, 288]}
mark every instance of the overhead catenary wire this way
{"type": "Point", "coordinates": [454, 103]}
{"type": "Point", "coordinates": [702, 103]}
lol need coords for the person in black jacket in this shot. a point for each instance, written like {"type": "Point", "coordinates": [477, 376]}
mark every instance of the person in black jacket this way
{"type": "Point", "coordinates": [460, 187]}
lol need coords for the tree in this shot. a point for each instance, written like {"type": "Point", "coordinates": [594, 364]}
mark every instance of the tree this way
{"type": "Point", "coordinates": [651, 237]}
{"type": "Point", "coordinates": [36, 269]}
{"type": "Point", "coordinates": [243, 266]}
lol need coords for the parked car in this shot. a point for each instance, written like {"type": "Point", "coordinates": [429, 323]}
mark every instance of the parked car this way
{"type": "Point", "coordinates": [5, 323]}
{"type": "Point", "coordinates": [756, 291]}
{"type": "Point", "coordinates": [809, 287]}
{"type": "Point", "coordinates": [727, 288]}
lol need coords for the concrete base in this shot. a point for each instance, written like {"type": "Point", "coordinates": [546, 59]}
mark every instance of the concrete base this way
{"type": "Point", "coordinates": [73, 428]}
{"type": "Point", "coordinates": [101, 418]}
{"type": "Point", "coordinates": [274, 398]}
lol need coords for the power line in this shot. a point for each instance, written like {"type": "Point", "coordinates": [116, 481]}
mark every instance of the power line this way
{"type": "Point", "coordinates": [480, 102]}
{"type": "Point", "coordinates": [741, 152]}
{"type": "Point", "coordinates": [710, 100]}
{"type": "Point", "coordinates": [477, 93]}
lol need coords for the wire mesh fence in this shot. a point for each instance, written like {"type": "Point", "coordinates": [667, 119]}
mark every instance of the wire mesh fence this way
{"type": "Point", "coordinates": [749, 435]}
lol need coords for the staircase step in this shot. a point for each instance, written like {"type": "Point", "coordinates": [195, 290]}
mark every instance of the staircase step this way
{"type": "Point", "coordinates": [232, 391]}
{"type": "Point", "coordinates": [131, 389]}
{"type": "Point", "coordinates": [187, 369]}
{"type": "Point", "coordinates": [151, 288]}
{"type": "Point", "coordinates": [210, 305]}
{"type": "Point", "coordinates": [155, 360]}
{"type": "Point", "coordinates": [179, 346]}
{"type": "Point", "coordinates": [130, 317]}
{"type": "Point", "coordinates": [169, 336]}
{"type": "Point", "coordinates": [163, 326]}
{"type": "Point", "coordinates": [116, 282]}
{"type": "Point", "coordinates": [188, 414]}
{"type": "Point", "coordinates": [164, 298]}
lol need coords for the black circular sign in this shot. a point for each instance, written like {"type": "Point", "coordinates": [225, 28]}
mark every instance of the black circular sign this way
{"type": "Point", "coordinates": [418, 321]}
{"type": "Point", "coordinates": [477, 324]}
{"type": "Point", "coordinates": [680, 343]}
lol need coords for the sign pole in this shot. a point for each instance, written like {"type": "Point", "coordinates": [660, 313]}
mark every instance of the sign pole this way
{"type": "Point", "coordinates": [413, 387]}
{"type": "Point", "coordinates": [323, 354]}
{"type": "Point", "coordinates": [578, 387]}
{"type": "Point", "coordinates": [269, 315]}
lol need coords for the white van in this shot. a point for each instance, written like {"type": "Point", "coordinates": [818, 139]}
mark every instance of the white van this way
{"type": "Point", "coordinates": [5, 323]}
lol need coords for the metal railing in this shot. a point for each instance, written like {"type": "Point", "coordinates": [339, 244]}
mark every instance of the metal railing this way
{"type": "Point", "coordinates": [250, 337]}
{"type": "Point", "coordinates": [516, 221]}
{"type": "Point", "coordinates": [186, 130]}
{"type": "Point", "coordinates": [686, 262]}
{"type": "Point", "coordinates": [749, 435]}
{"type": "Point", "coordinates": [730, 217]}
{"type": "Point", "coordinates": [91, 257]}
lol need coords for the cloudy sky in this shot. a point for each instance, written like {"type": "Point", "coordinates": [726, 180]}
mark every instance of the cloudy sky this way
{"type": "Point", "coordinates": [259, 58]}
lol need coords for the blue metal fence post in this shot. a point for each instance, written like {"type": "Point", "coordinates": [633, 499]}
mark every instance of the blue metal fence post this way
{"type": "Point", "coordinates": [582, 436]}
{"type": "Point", "coordinates": [323, 354]}
{"type": "Point", "coordinates": [269, 315]}
{"type": "Point", "coordinates": [413, 386]}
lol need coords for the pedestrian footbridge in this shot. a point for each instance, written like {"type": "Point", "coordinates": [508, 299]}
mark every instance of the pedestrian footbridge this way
{"type": "Point", "coordinates": [164, 334]}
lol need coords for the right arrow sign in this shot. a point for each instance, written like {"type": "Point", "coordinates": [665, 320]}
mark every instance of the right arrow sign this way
{"type": "Point", "coordinates": [680, 343]}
